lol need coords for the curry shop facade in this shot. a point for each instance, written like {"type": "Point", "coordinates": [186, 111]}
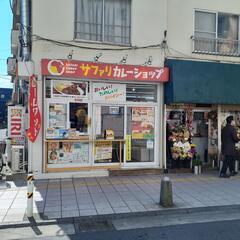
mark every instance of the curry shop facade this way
{"type": "Point", "coordinates": [98, 116]}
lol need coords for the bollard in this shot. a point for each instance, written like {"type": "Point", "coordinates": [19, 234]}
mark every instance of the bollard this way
{"type": "Point", "coordinates": [166, 198]}
{"type": "Point", "coordinates": [30, 186]}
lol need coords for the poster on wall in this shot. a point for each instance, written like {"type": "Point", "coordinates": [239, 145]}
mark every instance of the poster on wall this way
{"type": "Point", "coordinates": [16, 124]}
{"type": "Point", "coordinates": [109, 92]}
{"type": "Point", "coordinates": [69, 89]}
{"type": "Point", "coordinates": [68, 152]}
{"type": "Point", "coordinates": [142, 122]}
{"type": "Point", "coordinates": [128, 147]}
{"type": "Point", "coordinates": [57, 115]}
{"type": "Point", "coordinates": [103, 151]}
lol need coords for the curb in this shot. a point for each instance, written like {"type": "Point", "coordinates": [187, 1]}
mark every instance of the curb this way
{"type": "Point", "coordinates": [108, 217]}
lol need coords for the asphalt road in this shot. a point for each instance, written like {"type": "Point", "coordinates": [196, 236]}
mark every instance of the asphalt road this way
{"type": "Point", "coordinates": [223, 230]}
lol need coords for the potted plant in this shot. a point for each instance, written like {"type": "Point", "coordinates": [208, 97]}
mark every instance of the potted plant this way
{"type": "Point", "coordinates": [197, 165]}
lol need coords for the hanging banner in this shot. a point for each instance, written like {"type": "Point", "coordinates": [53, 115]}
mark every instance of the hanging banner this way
{"type": "Point", "coordinates": [16, 124]}
{"type": "Point", "coordinates": [109, 92]}
{"type": "Point", "coordinates": [104, 71]}
{"type": "Point", "coordinates": [142, 123]}
{"type": "Point", "coordinates": [34, 113]}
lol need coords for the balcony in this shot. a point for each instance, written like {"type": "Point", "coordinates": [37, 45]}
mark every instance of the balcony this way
{"type": "Point", "coordinates": [216, 46]}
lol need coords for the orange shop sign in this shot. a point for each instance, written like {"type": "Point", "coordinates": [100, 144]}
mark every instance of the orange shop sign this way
{"type": "Point", "coordinates": [106, 71]}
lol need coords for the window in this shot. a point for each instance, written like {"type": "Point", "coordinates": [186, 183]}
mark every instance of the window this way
{"type": "Point", "coordinates": [216, 33]}
{"type": "Point", "coordinates": [103, 20]}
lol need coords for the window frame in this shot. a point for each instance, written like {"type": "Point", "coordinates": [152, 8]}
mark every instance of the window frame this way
{"type": "Point", "coordinates": [103, 29]}
{"type": "Point", "coordinates": [216, 29]}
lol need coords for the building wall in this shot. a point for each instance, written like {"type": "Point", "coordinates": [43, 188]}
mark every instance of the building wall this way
{"type": "Point", "coordinates": [148, 23]}
{"type": "Point", "coordinates": [5, 97]}
{"type": "Point", "coordinates": [180, 25]}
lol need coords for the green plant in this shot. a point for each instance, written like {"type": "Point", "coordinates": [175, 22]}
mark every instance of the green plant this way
{"type": "Point", "coordinates": [197, 161]}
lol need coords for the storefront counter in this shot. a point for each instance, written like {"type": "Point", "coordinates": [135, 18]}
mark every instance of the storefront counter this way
{"type": "Point", "coordinates": [75, 154]}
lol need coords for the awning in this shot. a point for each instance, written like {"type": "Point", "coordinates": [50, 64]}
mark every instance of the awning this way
{"type": "Point", "coordinates": [202, 82]}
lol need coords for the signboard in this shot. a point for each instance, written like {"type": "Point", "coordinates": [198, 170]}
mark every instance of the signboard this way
{"type": "Point", "coordinates": [142, 122]}
{"type": "Point", "coordinates": [34, 112]}
{"type": "Point", "coordinates": [109, 92]}
{"type": "Point", "coordinates": [103, 151]}
{"type": "Point", "coordinates": [69, 89]}
{"type": "Point", "coordinates": [16, 124]}
{"type": "Point", "coordinates": [128, 148]}
{"type": "Point", "coordinates": [105, 71]}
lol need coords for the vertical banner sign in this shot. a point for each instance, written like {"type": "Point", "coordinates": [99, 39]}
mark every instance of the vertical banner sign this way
{"type": "Point", "coordinates": [34, 113]}
{"type": "Point", "coordinates": [16, 124]}
{"type": "Point", "coordinates": [128, 148]}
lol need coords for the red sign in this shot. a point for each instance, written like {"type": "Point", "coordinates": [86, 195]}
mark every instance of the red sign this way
{"type": "Point", "coordinates": [91, 70]}
{"type": "Point", "coordinates": [34, 113]}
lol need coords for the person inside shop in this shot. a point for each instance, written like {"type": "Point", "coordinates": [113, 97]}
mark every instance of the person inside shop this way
{"type": "Point", "coordinates": [229, 139]}
{"type": "Point", "coordinates": [80, 120]}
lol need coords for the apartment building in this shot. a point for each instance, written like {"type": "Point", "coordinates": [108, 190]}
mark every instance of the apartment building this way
{"type": "Point", "coordinates": [105, 78]}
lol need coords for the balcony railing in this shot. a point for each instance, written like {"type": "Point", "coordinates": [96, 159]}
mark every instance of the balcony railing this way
{"type": "Point", "coordinates": [216, 46]}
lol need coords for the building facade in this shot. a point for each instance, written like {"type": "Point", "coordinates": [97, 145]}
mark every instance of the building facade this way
{"type": "Point", "coordinates": [100, 68]}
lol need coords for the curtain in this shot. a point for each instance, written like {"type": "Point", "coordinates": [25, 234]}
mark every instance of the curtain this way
{"type": "Point", "coordinates": [117, 21]}
{"type": "Point", "coordinates": [89, 19]}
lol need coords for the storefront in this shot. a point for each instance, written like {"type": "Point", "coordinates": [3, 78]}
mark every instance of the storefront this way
{"type": "Point", "coordinates": [101, 116]}
{"type": "Point", "coordinates": [198, 98]}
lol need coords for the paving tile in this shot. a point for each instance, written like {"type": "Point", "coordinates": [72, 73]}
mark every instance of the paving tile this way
{"type": "Point", "coordinates": [52, 209]}
{"type": "Point", "coordinates": [13, 218]}
{"type": "Point", "coordinates": [86, 207]}
{"type": "Point", "coordinates": [105, 211]}
{"type": "Point", "coordinates": [91, 212]}
{"type": "Point", "coordinates": [69, 207]}
{"type": "Point", "coordinates": [52, 215]}
{"type": "Point", "coordinates": [121, 210]}
{"type": "Point", "coordinates": [66, 214]}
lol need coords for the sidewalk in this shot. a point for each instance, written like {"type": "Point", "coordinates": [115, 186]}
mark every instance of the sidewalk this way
{"type": "Point", "coordinates": [113, 195]}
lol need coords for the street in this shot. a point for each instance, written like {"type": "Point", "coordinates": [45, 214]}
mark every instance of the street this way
{"type": "Point", "coordinates": [224, 230]}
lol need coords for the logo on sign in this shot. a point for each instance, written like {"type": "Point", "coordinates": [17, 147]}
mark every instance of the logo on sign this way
{"type": "Point", "coordinates": [16, 122]}
{"type": "Point", "coordinates": [56, 67]}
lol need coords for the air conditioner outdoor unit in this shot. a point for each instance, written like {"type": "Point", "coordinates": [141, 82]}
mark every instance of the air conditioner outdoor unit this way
{"type": "Point", "coordinates": [18, 159]}
{"type": "Point", "coordinates": [14, 42]}
{"type": "Point", "coordinates": [11, 66]}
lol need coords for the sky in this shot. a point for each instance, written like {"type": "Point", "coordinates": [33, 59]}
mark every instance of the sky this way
{"type": "Point", "coordinates": [5, 42]}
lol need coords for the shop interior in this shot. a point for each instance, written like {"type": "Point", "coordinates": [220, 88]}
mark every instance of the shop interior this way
{"type": "Point", "coordinates": [191, 133]}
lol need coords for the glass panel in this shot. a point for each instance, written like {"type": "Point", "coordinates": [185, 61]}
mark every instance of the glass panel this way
{"type": "Point", "coordinates": [89, 19]}
{"type": "Point", "coordinates": [48, 88]}
{"type": "Point", "coordinates": [68, 152]}
{"type": "Point", "coordinates": [79, 117]}
{"type": "Point", "coordinates": [117, 21]}
{"type": "Point", "coordinates": [140, 129]}
{"type": "Point", "coordinates": [205, 22]}
{"type": "Point", "coordinates": [108, 119]}
{"type": "Point", "coordinates": [141, 93]}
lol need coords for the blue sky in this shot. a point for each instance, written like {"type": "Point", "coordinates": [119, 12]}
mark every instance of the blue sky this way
{"type": "Point", "coordinates": [5, 33]}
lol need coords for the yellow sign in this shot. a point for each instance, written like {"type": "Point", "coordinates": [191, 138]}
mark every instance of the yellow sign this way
{"type": "Point", "coordinates": [128, 148]}
{"type": "Point", "coordinates": [103, 151]}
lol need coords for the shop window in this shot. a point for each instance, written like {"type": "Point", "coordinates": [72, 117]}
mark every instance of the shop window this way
{"type": "Point", "coordinates": [103, 20]}
{"type": "Point", "coordinates": [79, 117]}
{"type": "Point", "coordinates": [141, 93]}
{"type": "Point", "coordinates": [141, 134]}
{"type": "Point", "coordinates": [109, 119]}
{"type": "Point", "coordinates": [48, 88]}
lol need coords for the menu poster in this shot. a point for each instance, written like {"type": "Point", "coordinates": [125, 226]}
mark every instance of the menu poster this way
{"type": "Point", "coordinates": [128, 147]}
{"type": "Point", "coordinates": [68, 153]}
{"type": "Point", "coordinates": [57, 115]}
{"type": "Point", "coordinates": [103, 151]}
{"type": "Point", "coordinates": [142, 122]}
{"type": "Point", "coordinates": [69, 89]}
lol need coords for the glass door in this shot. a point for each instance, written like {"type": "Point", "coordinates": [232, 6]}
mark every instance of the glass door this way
{"type": "Point", "coordinates": [140, 137]}
{"type": "Point", "coordinates": [108, 125]}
